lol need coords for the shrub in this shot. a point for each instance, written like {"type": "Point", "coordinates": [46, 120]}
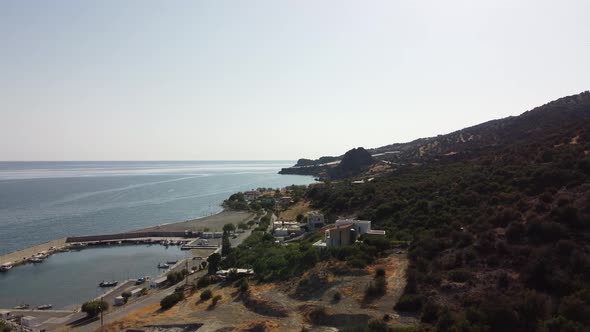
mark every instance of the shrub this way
{"type": "Point", "coordinates": [216, 299]}
{"type": "Point", "coordinates": [377, 325]}
{"type": "Point", "coordinates": [430, 312]}
{"type": "Point", "coordinates": [379, 272]}
{"type": "Point", "coordinates": [170, 300]}
{"type": "Point", "coordinates": [377, 287]}
{"type": "Point", "coordinates": [126, 296]}
{"type": "Point", "coordinates": [409, 302]}
{"type": "Point", "coordinates": [243, 285]}
{"type": "Point", "coordinates": [93, 308]}
{"type": "Point", "coordinates": [4, 327]}
{"type": "Point", "coordinates": [459, 275]}
{"type": "Point", "coordinates": [206, 295]}
{"type": "Point", "coordinates": [337, 297]}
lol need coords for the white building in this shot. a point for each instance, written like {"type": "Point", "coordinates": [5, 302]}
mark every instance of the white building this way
{"type": "Point", "coordinates": [28, 321]}
{"type": "Point", "coordinates": [119, 300]}
{"type": "Point", "coordinates": [5, 314]}
{"type": "Point", "coordinates": [251, 195]}
{"type": "Point", "coordinates": [361, 226]}
{"type": "Point", "coordinates": [315, 220]}
{"type": "Point", "coordinates": [157, 283]}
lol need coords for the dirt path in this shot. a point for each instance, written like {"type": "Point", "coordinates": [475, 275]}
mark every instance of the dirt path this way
{"type": "Point", "coordinates": [231, 313]}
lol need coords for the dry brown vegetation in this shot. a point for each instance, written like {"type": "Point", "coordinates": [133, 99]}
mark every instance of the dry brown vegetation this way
{"type": "Point", "coordinates": [278, 306]}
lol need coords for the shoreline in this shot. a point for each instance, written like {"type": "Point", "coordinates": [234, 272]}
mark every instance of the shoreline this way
{"type": "Point", "coordinates": [213, 222]}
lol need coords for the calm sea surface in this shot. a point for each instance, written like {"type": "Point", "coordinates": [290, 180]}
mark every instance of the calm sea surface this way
{"type": "Point", "coordinates": [71, 278]}
{"type": "Point", "coordinates": [42, 201]}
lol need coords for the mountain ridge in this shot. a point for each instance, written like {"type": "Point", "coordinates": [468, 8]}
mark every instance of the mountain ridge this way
{"type": "Point", "coordinates": [469, 141]}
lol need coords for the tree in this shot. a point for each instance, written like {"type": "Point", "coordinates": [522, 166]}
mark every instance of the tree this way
{"type": "Point", "coordinates": [229, 228]}
{"type": "Point", "coordinates": [299, 217]}
{"type": "Point", "coordinates": [206, 295]}
{"type": "Point", "coordinates": [93, 308]}
{"type": "Point", "coordinates": [213, 261]}
{"type": "Point", "coordinates": [5, 327]}
{"type": "Point", "coordinates": [225, 245]}
{"type": "Point", "coordinates": [170, 300]}
{"type": "Point", "coordinates": [126, 296]}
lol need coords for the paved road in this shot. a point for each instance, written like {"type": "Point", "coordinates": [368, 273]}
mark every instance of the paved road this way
{"type": "Point", "coordinates": [155, 296]}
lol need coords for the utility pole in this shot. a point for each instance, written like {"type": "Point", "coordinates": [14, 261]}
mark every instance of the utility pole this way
{"type": "Point", "coordinates": [100, 306]}
{"type": "Point", "coordinates": [187, 273]}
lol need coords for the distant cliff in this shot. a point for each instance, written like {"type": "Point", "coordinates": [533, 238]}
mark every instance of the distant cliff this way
{"type": "Point", "coordinates": [464, 144]}
{"type": "Point", "coordinates": [352, 163]}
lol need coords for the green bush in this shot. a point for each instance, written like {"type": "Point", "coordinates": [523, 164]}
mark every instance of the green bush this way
{"type": "Point", "coordinates": [430, 312]}
{"type": "Point", "coordinates": [171, 300]}
{"type": "Point", "coordinates": [337, 297]}
{"type": "Point", "coordinates": [126, 295]}
{"type": "Point", "coordinates": [215, 299]}
{"type": "Point", "coordinates": [380, 272]}
{"type": "Point", "coordinates": [93, 308]}
{"type": "Point", "coordinates": [243, 285]}
{"type": "Point", "coordinates": [206, 295]}
{"type": "Point", "coordinates": [377, 287]}
{"type": "Point", "coordinates": [409, 302]}
{"type": "Point", "coordinates": [459, 275]}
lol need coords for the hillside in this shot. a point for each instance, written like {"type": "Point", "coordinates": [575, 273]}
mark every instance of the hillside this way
{"type": "Point", "coordinates": [498, 216]}
{"type": "Point", "coordinates": [467, 143]}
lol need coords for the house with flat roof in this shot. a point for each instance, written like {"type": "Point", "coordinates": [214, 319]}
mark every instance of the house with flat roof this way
{"type": "Point", "coordinates": [315, 220]}
{"type": "Point", "coordinates": [341, 235]}
{"type": "Point", "coordinates": [361, 226]}
{"type": "Point", "coordinates": [251, 195]}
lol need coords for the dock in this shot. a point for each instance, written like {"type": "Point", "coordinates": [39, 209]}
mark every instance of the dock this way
{"type": "Point", "coordinates": [20, 256]}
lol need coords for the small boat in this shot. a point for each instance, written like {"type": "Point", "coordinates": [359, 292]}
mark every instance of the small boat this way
{"type": "Point", "coordinates": [108, 283]}
{"type": "Point", "coordinates": [5, 267]}
{"type": "Point", "coordinates": [22, 306]}
{"type": "Point", "coordinates": [140, 281]}
{"type": "Point", "coordinates": [45, 307]}
{"type": "Point", "coordinates": [171, 262]}
{"type": "Point", "coordinates": [36, 260]}
{"type": "Point", "coordinates": [163, 266]}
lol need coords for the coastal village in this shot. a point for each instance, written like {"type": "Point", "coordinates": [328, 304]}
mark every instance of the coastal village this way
{"type": "Point", "coordinates": [279, 213]}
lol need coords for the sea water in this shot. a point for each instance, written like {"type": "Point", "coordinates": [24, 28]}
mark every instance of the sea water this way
{"type": "Point", "coordinates": [71, 278]}
{"type": "Point", "coordinates": [43, 201]}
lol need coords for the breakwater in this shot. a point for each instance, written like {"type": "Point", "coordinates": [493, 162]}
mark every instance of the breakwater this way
{"type": "Point", "coordinates": [134, 235]}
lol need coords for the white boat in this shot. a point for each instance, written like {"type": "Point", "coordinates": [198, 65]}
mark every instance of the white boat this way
{"type": "Point", "coordinates": [38, 258]}
{"type": "Point", "coordinates": [5, 267]}
{"type": "Point", "coordinates": [44, 307]}
{"type": "Point", "coordinates": [163, 266]}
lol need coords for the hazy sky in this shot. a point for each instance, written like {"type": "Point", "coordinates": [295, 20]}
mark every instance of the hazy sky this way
{"type": "Point", "coordinates": [135, 80]}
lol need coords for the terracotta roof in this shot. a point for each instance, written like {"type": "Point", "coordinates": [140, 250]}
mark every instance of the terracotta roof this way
{"type": "Point", "coordinates": [344, 226]}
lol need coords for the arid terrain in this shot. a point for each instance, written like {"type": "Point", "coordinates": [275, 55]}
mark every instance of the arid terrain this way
{"type": "Point", "coordinates": [308, 301]}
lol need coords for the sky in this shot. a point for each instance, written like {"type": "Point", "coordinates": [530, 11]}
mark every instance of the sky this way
{"type": "Point", "coordinates": [253, 80]}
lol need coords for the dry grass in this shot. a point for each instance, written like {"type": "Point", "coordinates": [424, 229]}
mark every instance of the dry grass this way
{"type": "Point", "coordinates": [294, 210]}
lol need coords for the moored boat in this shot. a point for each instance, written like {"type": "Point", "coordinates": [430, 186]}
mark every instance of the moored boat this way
{"type": "Point", "coordinates": [5, 267]}
{"type": "Point", "coordinates": [22, 306]}
{"type": "Point", "coordinates": [45, 307]}
{"type": "Point", "coordinates": [108, 283]}
{"type": "Point", "coordinates": [163, 266]}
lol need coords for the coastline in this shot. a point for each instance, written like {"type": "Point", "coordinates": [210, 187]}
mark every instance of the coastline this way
{"type": "Point", "coordinates": [214, 222]}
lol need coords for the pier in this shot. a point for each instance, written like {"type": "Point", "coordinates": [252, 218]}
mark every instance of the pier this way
{"type": "Point", "coordinates": [21, 256]}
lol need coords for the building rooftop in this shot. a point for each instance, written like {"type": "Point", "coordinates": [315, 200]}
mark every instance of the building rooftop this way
{"type": "Point", "coordinates": [344, 226]}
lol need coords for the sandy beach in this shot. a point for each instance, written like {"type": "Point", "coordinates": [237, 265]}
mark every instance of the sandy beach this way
{"type": "Point", "coordinates": [213, 223]}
